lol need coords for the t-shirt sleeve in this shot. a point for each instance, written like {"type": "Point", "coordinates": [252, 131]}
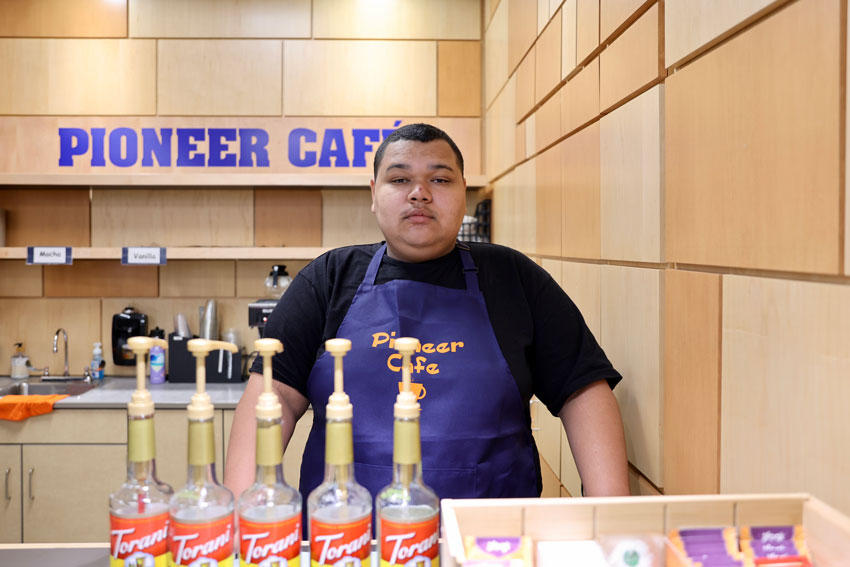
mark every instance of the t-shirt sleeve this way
{"type": "Point", "coordinates": [566, 355]}
{"type": "Point", "coordinates": [297, 321]}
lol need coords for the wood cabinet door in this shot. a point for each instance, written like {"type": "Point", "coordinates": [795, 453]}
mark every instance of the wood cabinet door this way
{"type": "Point", "coordinates": [10, 484]}
{"type": "Point", "coordinates": [172, 446]}
{"type": "Point", "coordinates": [66, 491]}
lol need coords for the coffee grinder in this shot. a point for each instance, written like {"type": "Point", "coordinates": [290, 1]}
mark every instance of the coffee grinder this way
{"type": "Point", "coordinates": [259, 311]}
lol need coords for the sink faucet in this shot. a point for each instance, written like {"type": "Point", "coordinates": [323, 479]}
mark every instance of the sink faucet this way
{"type": "Point", "coordinates": [56, 347]}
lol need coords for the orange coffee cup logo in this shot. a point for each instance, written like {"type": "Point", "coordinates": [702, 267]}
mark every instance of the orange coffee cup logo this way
{"type": "Point", "coordinates": [418, 389]}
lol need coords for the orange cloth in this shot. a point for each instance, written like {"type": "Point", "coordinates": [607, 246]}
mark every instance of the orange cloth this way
{"type": "Point", "coordinates": [18, 408]}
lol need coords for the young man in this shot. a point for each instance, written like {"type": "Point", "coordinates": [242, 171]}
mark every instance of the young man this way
{"type": "Point", "coordinates": [495, 329]}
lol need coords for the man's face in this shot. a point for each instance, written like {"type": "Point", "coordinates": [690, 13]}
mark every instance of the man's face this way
{"type": "Point", "coordinates": [419, 198]}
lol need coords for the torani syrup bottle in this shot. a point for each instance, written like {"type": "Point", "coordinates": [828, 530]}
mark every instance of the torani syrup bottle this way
{"type": "Point", "coordinates": [202, 524]}
{"type": "Point", "coordinates": [270, 510]}
{"type": "Point", "coordinates": [138, 510]}
{"type": "Point", "coordinates": [407, 511]}
{"type": "Point", "coordinates": [339, 510]}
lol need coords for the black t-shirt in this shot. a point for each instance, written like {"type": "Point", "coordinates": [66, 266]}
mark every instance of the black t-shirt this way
{"type": "Point", "coordinates": [541, 333]}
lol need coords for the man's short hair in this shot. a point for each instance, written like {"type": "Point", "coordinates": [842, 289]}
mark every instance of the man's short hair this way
{"type": "Point", "coordinates": [418, 132]}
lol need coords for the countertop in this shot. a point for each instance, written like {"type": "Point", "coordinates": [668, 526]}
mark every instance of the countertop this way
{"type": "Point", "coordinates": [115, 392]}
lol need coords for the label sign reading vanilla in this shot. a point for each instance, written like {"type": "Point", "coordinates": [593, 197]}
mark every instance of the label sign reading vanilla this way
{"type": "Point", "coordinates": [345, 545]}
{"type": "Point", "coordinates": [140, 542]}
{"type": "Point", "coordinates": [270, 543]}
{"type": "Point", "coordinates": [410, 544]}
{"type": "Point", "coordinates": [205, 544]}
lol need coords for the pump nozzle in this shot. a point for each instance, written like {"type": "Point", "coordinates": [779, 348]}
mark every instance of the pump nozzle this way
{"type": "Point", "coordinates": [406, 405]}
{"type": "Point", "coordinates": [268, 406]}
{"type": "Point", "coordinates": [339, 406]}
{"type": "Point", "coordinates": [201, 407]}
{"type": "Point", "coordinates": [141, 403]}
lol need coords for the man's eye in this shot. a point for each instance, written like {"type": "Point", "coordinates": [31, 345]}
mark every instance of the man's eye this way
{"type": "Point", "coordinates": [440, 180]}
{"type": "Point", "coordinates": [399, 180]}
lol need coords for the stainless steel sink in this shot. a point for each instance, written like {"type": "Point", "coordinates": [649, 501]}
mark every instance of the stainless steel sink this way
{"type": "Point", "coordinates": [73, 388]}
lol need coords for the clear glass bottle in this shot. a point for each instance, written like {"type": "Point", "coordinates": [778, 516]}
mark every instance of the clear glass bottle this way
{"type": "Point", "coordinates": [339, 510]}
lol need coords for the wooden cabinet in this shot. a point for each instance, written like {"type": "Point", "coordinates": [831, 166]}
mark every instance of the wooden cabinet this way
{"type": "Point", "coordinates": [172, 446]}
{"type": "Point", "coordinates": [10, 505]}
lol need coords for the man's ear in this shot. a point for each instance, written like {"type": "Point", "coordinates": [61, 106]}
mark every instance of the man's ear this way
{"type": "Point", "coordinates": [372, 187]}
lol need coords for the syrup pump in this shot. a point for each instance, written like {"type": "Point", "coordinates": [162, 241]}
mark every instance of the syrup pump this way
{"type": "Point", "coordinates": [202, 523]}
{"type": "Point", "coordinates": [407, 511]}
{"type": "Point", "coordinates": [339, 510]}
{"type": "Point", "coordinates": [270, 510]}
{"type": "Point", "coordinates": [138, 510]}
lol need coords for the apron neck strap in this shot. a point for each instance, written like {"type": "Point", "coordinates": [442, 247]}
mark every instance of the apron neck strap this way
{"type": "Point", "coordinates": [470, 272]}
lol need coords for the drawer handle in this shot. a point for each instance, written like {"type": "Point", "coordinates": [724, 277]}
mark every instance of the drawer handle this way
{"type": "Point", "coordinates": [32, 470]}
{"type": "Point", "coordinates": [534, 413]}
{"type": "Point", "coordinates": [8, 472]}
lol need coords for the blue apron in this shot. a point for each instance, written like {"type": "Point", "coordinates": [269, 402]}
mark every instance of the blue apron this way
{"type": "Point", "coordinates": [475, 440]}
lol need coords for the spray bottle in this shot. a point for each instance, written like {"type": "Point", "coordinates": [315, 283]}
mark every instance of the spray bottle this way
{"type": "Point", "coordinates": [339, 510]}
{"type": "Point", "coordinates": [202, 524]}
{"type": "Point", "coordinates": [138, 511]}
{"type": "Point", "coordinates": [407, 511]}
{"type": "Point", "coordinates": [270, 510]}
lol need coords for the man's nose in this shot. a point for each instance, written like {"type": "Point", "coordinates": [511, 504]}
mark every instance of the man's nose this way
{"type": "Point", "coordinates": [419, 192]}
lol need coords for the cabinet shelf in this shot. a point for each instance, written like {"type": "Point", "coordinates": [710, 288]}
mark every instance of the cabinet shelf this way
{"type": "Point", "coordinates": [188, 253]}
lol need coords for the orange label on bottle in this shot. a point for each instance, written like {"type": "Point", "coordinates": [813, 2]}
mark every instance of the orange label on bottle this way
{"type": "Point", "coordinates": [141, 542]}
{"type": "Point", "coordinates": [410, 544]}
{"type": "Point", "coordinates": [211, 541]}
{"type": "Point", "coordinates": [329, 543]}
{"type": "Point", "coordinates": [270, 542]}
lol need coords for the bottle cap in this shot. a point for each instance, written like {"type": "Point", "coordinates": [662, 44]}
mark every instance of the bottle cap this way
{"type": "Point", "coordinates": [268, 406]}
{"type": "Point", "coordinates": [339, 405]}
{"type": "Point", "coordinates": [141, 402]}
{"type": "Point", "coordinates": [406, 405]}
{"type": "Point", "coordinates": [201, 406]}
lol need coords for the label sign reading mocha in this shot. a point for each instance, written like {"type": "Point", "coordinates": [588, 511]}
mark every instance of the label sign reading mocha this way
{"type": "Point", "coordinates": [49, 255]}
{"type": "Point", "coordinates": [147, 256]}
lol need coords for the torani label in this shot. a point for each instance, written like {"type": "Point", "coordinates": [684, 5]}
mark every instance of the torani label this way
{"type": "Point", "coordinates": [211, 543]}
{"type": "Point", "coordinates": [410, 544]}
{"type": "Point", "coordinates": [331, 543]}
{"type": "Point", "coordinates": [270, 544]}
{"type": "Point", "coordinates": [138, 542]}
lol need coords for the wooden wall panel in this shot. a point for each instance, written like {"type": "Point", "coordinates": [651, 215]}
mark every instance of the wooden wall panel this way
{"type": "Point", "coordinates": [612, 14]}
{"type": "Point", "coordinates": [580, 98]}
{"type": "Point", "coordinates": [530, 135]}
{"type": "Point", "coordinates": [61, 18]}
{"type": "Point", "coordinates": [519, 146]}
{"type": "Point", "coordinates": [847, 160]}
{"type": "Point", "coordinates": [752, 149]}
{"type": "Point", "coordinates": [547, 67]}
{"type": "Point", "coordinates": [542, 14]}
{"type": "Point", "coordinates": [547, 122]}
{"type": "Point", "coordinates": [691, 24]}
{"type": "Point", "coordinates": [570, 479]}
{"type": "Point", "coordinates": [525, 207]}
{"type": "Point", "coordinates": [347, 218]}
{"type": "Point", "coordinates": [287, 217]}
{"type": "Point", "coordinates": [499, 134]}
{"type": "Point", "coordinates": [587, 28]}
{"type": "Point", "coordinates": [251, 275]}
{"type": "Point", "coordinates": [525, 84]}
{"type": "Point", "coordinates": [691, 416]}
{"type": "Point", "coordinates": [232, 313]}
{"type": "Point", "coordinates": [784, 377]}
{"type": "Point", "coordinates": [30, 210]}
{"type": "Point", "coordinates": [502, 229]}
{"type": "Point", "coordinates": [414, 19]}
{"type": "Point", "coordinates": [213, 77]}
{"type": "Point", "coordinates": [173, 217]}
{"type": "Point", "coordinates": [548, 202]}
{"type": "Point", "coordinates": [223, 18]}
{"type": "Point", "coordinates": [580, 202]}
{"type": "Point", "coordinates": [19, 280]}
{"type": "Point", "coordinates": [496, 54]}
{"type": "Point", "coordinates": [631, 179]}
{"type": "Point", "coordinates": [639, 485]}
{"type": "Point", "coordinates": [100, 278]}
{"type": "Point", "coordinates": [348, 78]}
{"type": "Point", "coordinates": [34, 322]}
{"type": "Point", "coordinates": [632, 61]}
{"type": "Point", "coordinates": [198, 278]}
{"type": "Point", "coordinates": [568, 37]}
{"type": "Point", "coordinates": [522, 30]}
{"type": "Point", "coordinates": [459, 78]}
{"type": "Point", "coordinates": [78, 76]}
{"type": "Point", "coordinates": [582, 283]}
{"type": "Point", "coordinates": [631, 337]}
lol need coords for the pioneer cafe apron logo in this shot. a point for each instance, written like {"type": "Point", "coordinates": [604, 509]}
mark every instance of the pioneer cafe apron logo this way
{"type": "Point", "coordinates": [216, 147]}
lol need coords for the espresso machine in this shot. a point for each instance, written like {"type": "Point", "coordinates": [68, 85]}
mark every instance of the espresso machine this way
{"type": "Point", "coordinates": [276, 284]}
